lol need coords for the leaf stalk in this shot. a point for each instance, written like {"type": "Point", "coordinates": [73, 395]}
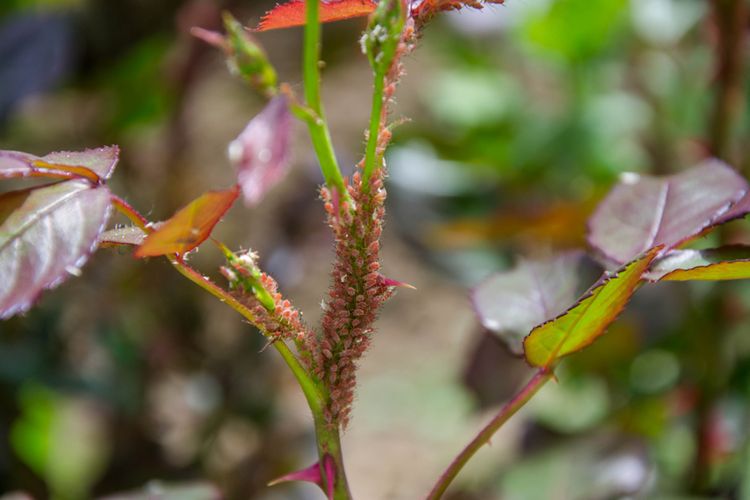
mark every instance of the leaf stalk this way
{"type": "Point", "coordinates": [508, 410]}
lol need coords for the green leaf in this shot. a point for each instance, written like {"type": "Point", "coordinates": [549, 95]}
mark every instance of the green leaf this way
{"type": "Point", "coordinates": [94, 165]}
{"type": "Point", "coordinates": [62, 440]}
{"type": "Point", "coordinates": [716, 264]}
{"type": "Point", "coordinates": [580, 325]}
{"type": "Point", "coordinates": [577, 30]}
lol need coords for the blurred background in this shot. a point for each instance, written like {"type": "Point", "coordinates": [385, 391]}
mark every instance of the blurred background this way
{"type": "Point", "coordinates": [521, 117]}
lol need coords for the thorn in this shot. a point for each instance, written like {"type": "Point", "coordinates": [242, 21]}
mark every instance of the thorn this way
{"type": "Point", "coordinates": [391, 282]}
{"type": "Point", "coordinates": [310, 474]}
{"type": "Point", "coordinates": [269, 343]}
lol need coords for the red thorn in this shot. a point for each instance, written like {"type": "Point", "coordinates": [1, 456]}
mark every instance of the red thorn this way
{"type": "Point", "coordinates": [310, 474]}
{"type": "Point", "coordinates": [391, 282]}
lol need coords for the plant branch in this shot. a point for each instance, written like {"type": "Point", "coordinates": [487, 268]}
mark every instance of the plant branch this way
{"type": "Point", "coordinates": [376, 122]}
{"type": "Point", "coordinates": [484, 436]}
{"type": "Point", "coordinates": [307, 384]}
{"type": "Point", "coordinates": [329, 444]}
{"type": "Point", "coordinates": [316, 122]}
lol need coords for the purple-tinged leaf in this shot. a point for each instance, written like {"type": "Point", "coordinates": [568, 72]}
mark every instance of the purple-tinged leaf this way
{"type": "Point", "coordinates": [737, 211]}
{"type": "Point", "coordinates": [156, 490]}
{"type": "Point", "coordinates": [47, 234]}
{"type": "Point", "coordinates": [132, 236]}
{"type": "Point", "coordinates": [716, 264]}
{"type": "Point", "coordinates": [583, 323]}
{"type": "Point", "coordinates": [642, 212]}
{"type": "Point", "coordinates": [92, 164]}
{"type": "Point", "coordinates": [261, 152]}
{"type": "Point", "coordinates": [511, 303]}
{"type": "Point", "coordinates": [101, 160]}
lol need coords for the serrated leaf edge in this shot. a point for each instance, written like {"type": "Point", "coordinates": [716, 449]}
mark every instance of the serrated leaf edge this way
{"type": "Point", "coordinates": [648, 257]}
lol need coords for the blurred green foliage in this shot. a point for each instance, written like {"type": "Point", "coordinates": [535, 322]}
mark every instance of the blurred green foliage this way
{"type": "Point", "coordinates": [523, 116]}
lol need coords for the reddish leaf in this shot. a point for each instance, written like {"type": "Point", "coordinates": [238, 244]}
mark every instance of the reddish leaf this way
{"type": "Point", "coordinates": [293, 13]}
{"type": "Point", "coordinates": [642, 212]}
{"type": "Point", "coordinates": [261, 152]}
{"type": "Point", "coordinates": [92, 164]}
{"type": "Point", "coordinates": [513, 302]}
{"type": "Point", "coordinates": [190, 226]}
{"type": "Point", "coordinates": [46, 234]}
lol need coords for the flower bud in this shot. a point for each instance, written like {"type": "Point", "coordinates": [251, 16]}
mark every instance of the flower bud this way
{"type": "Point", "coordinates": [381, 39]}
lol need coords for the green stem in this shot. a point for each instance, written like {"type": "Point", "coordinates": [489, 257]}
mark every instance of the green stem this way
{"type": "Point", "coordinates": [316, 122]}
{"type": "Point", "coordinates": [306, 383]}
{"type": "Point", "coordinates": [376, 121]}
{"type": "Point", "coordinates": [328, 439]}
{"type": "Point", "coordinates": [484, 436]}
{"type": "Point", "coordinates": [329, 444]}
{"type": "Point", "coordinates": [309, 387]}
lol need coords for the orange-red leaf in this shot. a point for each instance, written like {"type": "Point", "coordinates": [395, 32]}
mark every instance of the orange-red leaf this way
{"type": "Point", "coordinates": [292, 13]}
{"type": "Point", "coordinates": [190, 226]}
